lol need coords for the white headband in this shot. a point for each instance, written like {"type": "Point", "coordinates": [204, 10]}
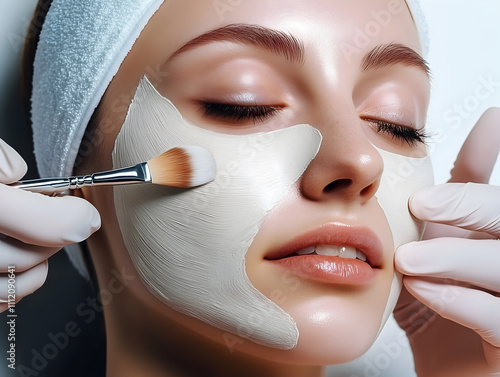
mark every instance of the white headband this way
{"type": "Point", "coordinates": [421, 23]}
{"type": "Point", "coordinates": [81, 47]}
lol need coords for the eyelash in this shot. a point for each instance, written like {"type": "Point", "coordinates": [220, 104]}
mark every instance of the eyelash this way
{"type": "Point", "coordinates": [259, 113]}
{"type": "Point", "coordinates": [410, 136]}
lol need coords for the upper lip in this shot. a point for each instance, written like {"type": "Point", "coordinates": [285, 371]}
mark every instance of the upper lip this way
{"type": "Point", "coordinates": [339, 234]}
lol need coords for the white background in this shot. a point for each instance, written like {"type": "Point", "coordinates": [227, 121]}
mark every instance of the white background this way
{"type": "Point", "coordinates": [464, 52]}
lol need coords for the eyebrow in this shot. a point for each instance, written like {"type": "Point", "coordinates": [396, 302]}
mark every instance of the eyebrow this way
{"type": "Point", "coordinates": [293, 50]}
{"type": "Point", "coordinates": [275, 41]}
{"type": "Point", "coordinates": [392, 54]}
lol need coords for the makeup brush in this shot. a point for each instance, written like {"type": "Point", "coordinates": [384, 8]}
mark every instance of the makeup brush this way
{"type": "Point", "coordinates": [183, 167]}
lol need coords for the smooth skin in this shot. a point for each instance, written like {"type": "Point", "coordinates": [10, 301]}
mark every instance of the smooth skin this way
{"type": "Point", "coordinates": [330, 91]}
{"type": "Point", "coordinates": [327, 88]}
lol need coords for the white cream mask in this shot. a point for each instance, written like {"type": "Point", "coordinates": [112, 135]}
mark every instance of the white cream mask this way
{"type": "Point", "coordinates": [189, 246]}
{"type": "Point", "coordinates": [402, 177]}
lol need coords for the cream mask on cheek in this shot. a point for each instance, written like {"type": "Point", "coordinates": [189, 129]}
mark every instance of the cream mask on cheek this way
{"type": "Point", "coordinates": [189, 246]}
{"type": "Point", "coordinates": [402, 177]}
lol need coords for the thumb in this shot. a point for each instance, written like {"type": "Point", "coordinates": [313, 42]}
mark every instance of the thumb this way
{"type": "Point", "coordinates": [478, 155]}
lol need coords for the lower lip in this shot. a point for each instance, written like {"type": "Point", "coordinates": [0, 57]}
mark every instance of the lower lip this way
{"type": "Point", "coordinates": [331, 270]}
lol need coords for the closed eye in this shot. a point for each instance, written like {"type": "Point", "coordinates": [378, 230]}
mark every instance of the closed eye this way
{"type": "Point", "coordinates": [405, 134]}
{"type": "Point", "coordinates": [239, 113]}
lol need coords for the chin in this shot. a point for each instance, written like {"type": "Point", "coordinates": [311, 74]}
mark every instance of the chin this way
{"type": "Point", "coordinates": [332, 330]}
{"type": "Point", "coordinates": [332, 336]}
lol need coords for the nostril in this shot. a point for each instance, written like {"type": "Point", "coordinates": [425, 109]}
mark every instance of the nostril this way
{"type": "Point", "coordinates": [339, 184]}
{"type": "Point", "coordinates": [369, 190]}
{"type": "Point", "coordinates": [366, 190]}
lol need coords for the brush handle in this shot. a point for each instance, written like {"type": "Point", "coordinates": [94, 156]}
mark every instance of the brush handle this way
{"type": "Point", "coordinates": [139, 173]}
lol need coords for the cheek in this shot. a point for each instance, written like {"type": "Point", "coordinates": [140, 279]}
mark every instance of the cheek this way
{"type": "Point", "coordinates": [403, 176]}
{"type": "Point", "coordinates": [336, 323]}
{"type": "Point", "coordinates": [189, 246]}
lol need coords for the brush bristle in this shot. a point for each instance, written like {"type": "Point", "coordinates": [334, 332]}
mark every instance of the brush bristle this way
{"type": "Point", "coordinates": [183, 167]}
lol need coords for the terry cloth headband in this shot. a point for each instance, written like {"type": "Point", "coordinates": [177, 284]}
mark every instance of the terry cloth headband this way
{"type": "Point", "coordinates": [81, 47]}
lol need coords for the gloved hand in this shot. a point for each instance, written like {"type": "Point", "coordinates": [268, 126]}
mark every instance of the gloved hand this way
{"type": "Point", "coordinates": [457, 332]}
{"type": "Point", "coordinates": [33, 227]}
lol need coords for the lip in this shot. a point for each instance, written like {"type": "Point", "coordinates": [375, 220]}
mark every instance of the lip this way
{"type": "Point", "coordinates": [330, 269]}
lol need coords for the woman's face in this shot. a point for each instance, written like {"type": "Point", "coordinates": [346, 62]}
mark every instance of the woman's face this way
{"type": "Point", "coordinates": [351, 70]}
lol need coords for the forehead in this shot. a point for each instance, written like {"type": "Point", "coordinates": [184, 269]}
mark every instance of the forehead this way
{"type": "Point", "coordinates": [359, 24]}
{"type": "Point", "coordinates": [334, 33]}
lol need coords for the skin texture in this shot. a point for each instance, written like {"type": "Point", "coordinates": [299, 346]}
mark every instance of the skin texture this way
{"type": "Point", "coordinates": [329, 90]}
{"type": "Point", "coordinates": [201, 261]}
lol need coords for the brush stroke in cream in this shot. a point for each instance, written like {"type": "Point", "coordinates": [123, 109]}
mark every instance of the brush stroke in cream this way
{"type": "Point", "coordinates": [189, 246]}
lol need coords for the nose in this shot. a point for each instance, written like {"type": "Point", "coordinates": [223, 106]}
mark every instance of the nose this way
{"type": "Point", "coordinates": [347, 167]}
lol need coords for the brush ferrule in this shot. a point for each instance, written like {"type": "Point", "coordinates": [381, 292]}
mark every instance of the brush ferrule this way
{"type": "Point", "coordinates": [139, 173]}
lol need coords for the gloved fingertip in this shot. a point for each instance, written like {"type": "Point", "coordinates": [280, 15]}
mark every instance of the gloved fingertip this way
{"type": "Point", "coordinates": [12, 165]}
{"type": "Point", "coordinates": [421, 202]}
{"type": "Point", "coordinates": [405, 258]}
{"type": "Point", "coordinates": [90, 224]}
{"type": "Point", "coordinates": [406, 248]}
{"type": "Point", "coordinates": [96, 220]}
{"type": "Point", "coordinates": [413, 204]}
{"type": "Point", "coordinates": [42, 271]}
{"type": "Point", "coordinates": [32, 279]}
{"type": "Point", "coordinates": [86, 221]}
{"type": "Point", "coordinates": [479, 153]}
{"type": "Point", "coordinates": [409, 259]}
{"type": "Point", "coordinates": [435, 201]}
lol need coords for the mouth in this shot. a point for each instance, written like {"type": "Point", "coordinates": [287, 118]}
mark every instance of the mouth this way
{"type": "Point", "coordinates": [348, 252]}
{"type": "Point", "coordinates": [334, 253]}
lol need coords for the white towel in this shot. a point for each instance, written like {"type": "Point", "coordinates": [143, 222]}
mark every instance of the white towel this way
{"type": "Point", "coordinates": [421, 22]}
{"type": "Point", "coordinates": [81, 47]}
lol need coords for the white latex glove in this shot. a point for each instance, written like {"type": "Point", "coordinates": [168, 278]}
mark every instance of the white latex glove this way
{"type": "Point", "coordinates": [454, 275]}
{"type": "Point", "coordinates": [34, 226]}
